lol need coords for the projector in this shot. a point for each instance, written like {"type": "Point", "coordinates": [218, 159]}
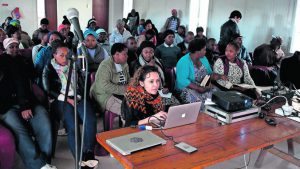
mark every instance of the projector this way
{"type": "Point", "coordinates": [231, 100]}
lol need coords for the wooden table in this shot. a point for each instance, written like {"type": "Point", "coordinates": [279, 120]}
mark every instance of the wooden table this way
{"type": "Point", "coordinates": [215, 143]}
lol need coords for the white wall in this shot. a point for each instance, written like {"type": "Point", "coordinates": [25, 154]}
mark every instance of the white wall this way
{"type": "Point", "coordinates": [83, 6]}
{"type": "Point", "coordinates": [115, 13]}
{"type": "Point", "coordinates": [159, 11]}
{"type": "Point", "coordinates": [261, 20]}
{"type": "Point", "coordinates": [28, 10]}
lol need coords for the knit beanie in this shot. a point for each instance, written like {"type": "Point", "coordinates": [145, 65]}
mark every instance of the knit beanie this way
{"type": "Point", "coordinates": [93, 20]}
{"type": "Point", "coordinates": [15, 23]}
{"type": "Point", "coordinates": [60, 27]}
{"type": "Point", "coordinates": [9, 41]}
{"type": "Point", "coordinates": [90, 32]}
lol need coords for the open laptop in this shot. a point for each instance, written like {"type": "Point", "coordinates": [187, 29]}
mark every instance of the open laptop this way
{"type": "Point", "coordinates": [179, 115]}
{"type": "Point", "coordinates": [134, 142]}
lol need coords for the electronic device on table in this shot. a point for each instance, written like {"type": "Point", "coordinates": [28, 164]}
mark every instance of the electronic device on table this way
{"type": "Point", "coordinates": [232, 116]}
{"type": "Point", "coordinates": [277, 90]}
{"type": "Point", "coordinates": [179, 115]}
{"type": "Point", "coordinates": [129, 143]}
{"type": "Point", "coordinates": [291, 114]}
{"type": "Point", "coordinates": [268, 94]}
{"type": "Point", "coordinates": [231, 101]}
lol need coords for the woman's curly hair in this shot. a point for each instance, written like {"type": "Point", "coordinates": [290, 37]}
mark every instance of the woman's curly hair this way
{"type": "Point", "coordinates": [141, 74]}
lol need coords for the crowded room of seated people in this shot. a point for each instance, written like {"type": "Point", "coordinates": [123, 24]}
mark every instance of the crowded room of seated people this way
{"type": "Point", "coordinates": [72, 71]}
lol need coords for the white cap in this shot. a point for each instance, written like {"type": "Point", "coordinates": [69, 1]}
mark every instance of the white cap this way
{"type": "Point", "coordinates": [100, 30]}
{"type": "Point", "coordinates": [9, 41]}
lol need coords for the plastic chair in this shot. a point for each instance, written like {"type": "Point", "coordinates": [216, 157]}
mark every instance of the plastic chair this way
{"type": "Point", "coordinates": [109, 118]}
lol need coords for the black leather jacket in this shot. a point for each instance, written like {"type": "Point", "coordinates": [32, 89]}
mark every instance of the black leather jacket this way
{"type": "Point", "coordinates": [52, 83]}
{"type": "Point", "coordinates": [227, 30]}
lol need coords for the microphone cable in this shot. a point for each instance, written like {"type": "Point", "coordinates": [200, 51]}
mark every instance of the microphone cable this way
{"type": "Point", "coordinates": [161, 129]}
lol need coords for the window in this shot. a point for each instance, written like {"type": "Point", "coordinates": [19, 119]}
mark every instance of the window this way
{"type": "Point", "coordinates": [127, 7]}
{"type": "Point", "coordinates": [40, 10]}
{"type": "Point", "coordinates": [198, 14]}
{"type": "Point", "coordinates": [295, 45]}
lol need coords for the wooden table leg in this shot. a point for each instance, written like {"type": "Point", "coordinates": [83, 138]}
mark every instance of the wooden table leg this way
{"type": "Point", "coordinates": [297, 140]}
{"type": "Point", "coordinates": [290, 143]}
{"type": "Point", "coordinates": [261, 156]}
{"type": "Point", "coordinates": [285, 156]}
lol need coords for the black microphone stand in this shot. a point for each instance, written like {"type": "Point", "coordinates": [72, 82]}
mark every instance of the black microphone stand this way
{"type": "Point", "coordinates": [73, 17]}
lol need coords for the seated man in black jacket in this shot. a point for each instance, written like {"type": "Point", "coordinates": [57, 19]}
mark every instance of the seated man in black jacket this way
{"type": "Point", "coordinates": [19, 109]}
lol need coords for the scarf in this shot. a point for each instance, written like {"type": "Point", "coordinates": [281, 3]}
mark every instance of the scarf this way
{"type": "Point", "coordinates": [158, 65]}
{"type": "Point", "coordinates": [137, 97]}
{"type": "Point", "coordinates": [62, 72]}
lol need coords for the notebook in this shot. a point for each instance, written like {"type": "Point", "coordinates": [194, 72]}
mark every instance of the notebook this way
{"type": "Point", "coordinates": [129, 143]}
{"type": "Point", "coordinates": [179, 115]}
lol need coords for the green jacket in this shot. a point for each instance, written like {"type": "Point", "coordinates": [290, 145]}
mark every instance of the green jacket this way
{"type": "Point", "coordinates": [106, 82]}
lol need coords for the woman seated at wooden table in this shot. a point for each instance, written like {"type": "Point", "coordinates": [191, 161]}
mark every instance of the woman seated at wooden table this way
{"type": "Point", "coordinates": [142, 99]}
{"type": "Point", "coordinates": [236, 71]}
{"type": "Point", "coordinates": [191, 70]}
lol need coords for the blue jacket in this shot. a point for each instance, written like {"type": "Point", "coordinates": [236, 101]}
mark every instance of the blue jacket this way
{"type": "Point", "coordinates": [185, 71]}
{"type": "Point", "coordinates": [42, 59]}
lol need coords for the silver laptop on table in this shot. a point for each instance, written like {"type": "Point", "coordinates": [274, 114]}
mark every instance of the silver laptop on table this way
{"type": "Point", "coordinates": [134, 142]}
{"type": "Point", "coordinates": [179, 115]}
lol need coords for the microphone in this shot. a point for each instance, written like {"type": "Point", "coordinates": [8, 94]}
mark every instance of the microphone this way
{"type": "Point", "coordinates": [73, 14]}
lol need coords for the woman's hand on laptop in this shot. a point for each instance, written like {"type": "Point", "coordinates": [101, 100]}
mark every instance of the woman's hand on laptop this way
{"type": "Point", "coordinates": [161, 115]}
{"type": "Point", "coordinates": [158, 116]}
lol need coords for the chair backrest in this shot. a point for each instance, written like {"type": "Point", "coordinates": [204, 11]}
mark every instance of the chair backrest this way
{"type": "Point", "coordinates": [262, 76]}
{"type": "Point", "coordinates": [92, 77]}
{"type": "Point", "coordinates": [173, 79]}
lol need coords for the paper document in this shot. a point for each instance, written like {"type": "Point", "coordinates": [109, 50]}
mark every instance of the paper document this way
{"type": "Point", "coordinates": [209, 102]}
{"type": "Point", "coordinates": [168, 95]}
{"type": "Point", "coordinates": [204, 81]}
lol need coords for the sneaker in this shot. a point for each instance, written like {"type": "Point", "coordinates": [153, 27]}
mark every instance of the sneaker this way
{"type": "Point", "coordinates": [89, 164]}
{"type": "Point", "coordinates": [89, 161]}
{"type": "Point", "coordinates": [48, 166]}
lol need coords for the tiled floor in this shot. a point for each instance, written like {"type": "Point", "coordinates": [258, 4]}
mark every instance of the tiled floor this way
{"type": "Point", "coordinates": [64, 160]}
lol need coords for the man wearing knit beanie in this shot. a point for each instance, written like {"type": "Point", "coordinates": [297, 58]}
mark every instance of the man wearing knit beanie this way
{"type": "Point", "coordinates": [37, 33]}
